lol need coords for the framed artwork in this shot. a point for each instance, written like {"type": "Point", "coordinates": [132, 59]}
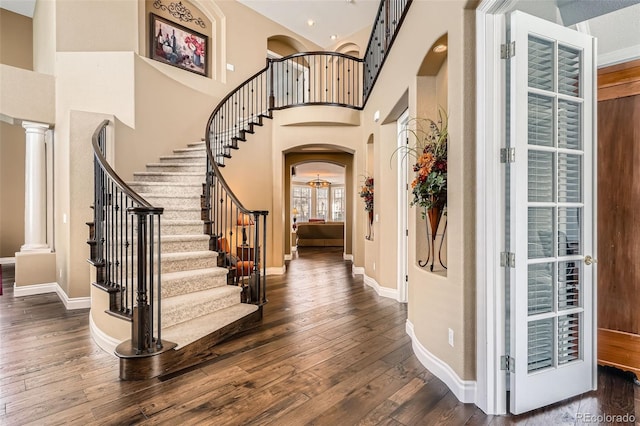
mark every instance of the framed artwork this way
{"type": "Point", "coordinates": [176, 45]}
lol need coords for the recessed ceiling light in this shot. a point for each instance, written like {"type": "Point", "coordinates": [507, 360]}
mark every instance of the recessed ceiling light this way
{"type": "Point", "coordinates": [334, 37]}
{"type": "Point", "coordinates": [440, 48]}
{"type": "Point", "coordinates": [311, 22]}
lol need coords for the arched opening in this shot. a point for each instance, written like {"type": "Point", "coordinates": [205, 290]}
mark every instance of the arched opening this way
{"type": "Point", "coordinates": [329, 203]}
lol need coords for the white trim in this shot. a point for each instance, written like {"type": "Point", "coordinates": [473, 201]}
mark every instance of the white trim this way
{"type": "Point", "coordinates": [357, 270]}
{"type": "Point", "coordinates": [7, 260]}
{"type": "Point", "coordinates": [346, 256]}
{"type": "Point", "coordinates": [403, 214]}
{"type": "Point", "coordinates": [618, 56]}
{"type": "Point", "coordinates": [288, 256]}
{"type": "Point", "coordinates": [103, 340]}
{"type": "Point", "coordinates": [491, 383]}
{"type": "Point", "coordinates": [391, 293]}
{"type": "Point", "coordinates": [464, 390]}
{"type": "Point", "coordinates": [69, 303]}
{"type": "Point", "coordinates": [31, 290]}
{"type": "Point", "coordinates": [277, 270]}
{"type": "Point", "coordinates": [73, 303]}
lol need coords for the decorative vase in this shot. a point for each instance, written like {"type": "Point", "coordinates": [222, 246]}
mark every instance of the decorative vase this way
{"type": "Point", "coordinates": [370, 217]}
{"type": "Point", "coordinates": [434, 214]}
{"type": "Point", "coordinates": [370, 225]}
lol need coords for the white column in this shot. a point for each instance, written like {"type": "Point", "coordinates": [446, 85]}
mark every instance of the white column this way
{"type": "Point", "coordinates": [35, 197]}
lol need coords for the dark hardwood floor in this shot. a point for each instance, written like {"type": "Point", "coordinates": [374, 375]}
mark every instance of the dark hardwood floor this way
{"type": "Point", "coordinates": [329, 352]}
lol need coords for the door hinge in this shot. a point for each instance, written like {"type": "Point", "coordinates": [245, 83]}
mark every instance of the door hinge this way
{"type": "Point", "coordinates": [508, 363]}
{"type": "Point", "coordinates": [406, 278]}
{"type": "Point", "coordinates": [406, 232]}
{"type": "Point", "coordinates": [508, 50]}
{"type": "Point", "coordinates": [507, 155]}
{"type": "Point", "coordinates": [508, 259]}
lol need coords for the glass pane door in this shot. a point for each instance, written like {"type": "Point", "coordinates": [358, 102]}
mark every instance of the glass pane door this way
{"type": "Point", "coordinates": [551, 213]}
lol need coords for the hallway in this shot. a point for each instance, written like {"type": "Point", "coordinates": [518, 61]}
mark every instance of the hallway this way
{"type": "Point", "coordinates": [329, 351]}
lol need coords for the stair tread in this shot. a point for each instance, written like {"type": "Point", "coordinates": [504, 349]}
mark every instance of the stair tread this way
{"type": "Point", "coordinates": [185, 237]}
{"type": "Point", "coordinates": [192, 330]}
{"type": "Point", "coordinates": [200, 296]}
{"type": "Point", "coordinates": [165, 184]}
{"type": "Point", "coordinates": [182, 222]}
{"type": "Point", "coordinates": [178, 275]}
{"type": "Point", "coordinates": [168, 173]}
{"type": "Point", "coordinates": [188, 255]}
{"type": "Point", "coordinates": [173, 164]}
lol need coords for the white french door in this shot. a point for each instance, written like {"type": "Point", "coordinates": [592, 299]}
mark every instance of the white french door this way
{"type": "Point", "coordinates": [551, 212]}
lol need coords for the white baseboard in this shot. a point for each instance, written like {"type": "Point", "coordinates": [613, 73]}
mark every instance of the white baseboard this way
{"type": "Point", "coordinates": [104, 341]}
{"type": "Point", "coordinates": [357, 270]}
{"type": "Point", "coordinates": [30, 290]}
{"type": "Point", "coordinates": [346, 256]}
{"type": "Point", "coordinates": [73, 303]}
{"type": "Point", "coordinates": [391, 293]}
{"type": "Point", "coordinates": [69, 303]}
{"type": "Point", "coordinates": [7, 260]}
{"type": "Point", "coordinates": [464, 390]}
{"type": "Point", "coordinates": [288, 257]}
{"type": "Point", "coordinates": [277, 270]}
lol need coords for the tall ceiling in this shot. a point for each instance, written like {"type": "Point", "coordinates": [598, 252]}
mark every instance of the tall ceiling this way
{"type": "Point", "coordinates": [339, 18]}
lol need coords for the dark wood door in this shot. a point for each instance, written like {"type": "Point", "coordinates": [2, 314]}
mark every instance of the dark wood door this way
{"type": "Point", "coordinates": [619, 218]}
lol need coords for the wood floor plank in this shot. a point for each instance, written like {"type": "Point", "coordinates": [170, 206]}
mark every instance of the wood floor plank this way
{"type": "Point", "coordinates": [329, 351]}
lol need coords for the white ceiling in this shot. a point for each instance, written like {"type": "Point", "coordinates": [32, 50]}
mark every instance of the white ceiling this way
{"type": "Point", "coordinates": [332, 17]}
{"type": "Point", "coordinates": [23, 7]}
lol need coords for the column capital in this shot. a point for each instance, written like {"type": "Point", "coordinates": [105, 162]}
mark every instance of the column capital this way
{"type": "Point", "coordinates": [32, 126]}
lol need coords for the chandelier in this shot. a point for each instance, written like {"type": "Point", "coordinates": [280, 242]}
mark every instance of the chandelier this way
{"type": "Point", "coordinates": [319, 183]}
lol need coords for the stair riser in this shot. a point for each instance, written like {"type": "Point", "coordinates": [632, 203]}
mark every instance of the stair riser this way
{"type": "Point", "coordinates": [190, 285]}
{"type": "Point", "coordinates": [187, 264]}
{"type": "Point", "coordinates": [191, 229]}
{"type": "Point", "coordinates": [199, 150]}
{"type": "Point", "coordinates": [186, 168]}
{"type": "Point", "coordinates": [184, 246]}
{"type": "Point", "coordinates": [192, 189]}
{"type": "Point", "coordinates": [168, 202]}
{"type": "Point", "coordinates": [178, 314]}
{"type": "Point", "coordinates": [184, 159]}
{"type": "Point", "coordinates": [197, 179]}
{"type": "Point", "coordinates": [169, 214]}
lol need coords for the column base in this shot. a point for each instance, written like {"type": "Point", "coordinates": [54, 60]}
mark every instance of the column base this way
{"type": "Point", "coordinates": [35, 248]}
{"type": "Point", "coordinates": [35, 268]}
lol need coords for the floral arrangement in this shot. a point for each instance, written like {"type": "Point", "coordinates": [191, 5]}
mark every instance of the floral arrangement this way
{"type": "Point", "coordinates": [429, 187]}
{"type": "Point", "coordinates": [367, 194]}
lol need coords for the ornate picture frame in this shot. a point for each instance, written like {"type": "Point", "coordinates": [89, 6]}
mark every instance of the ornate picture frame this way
{"type": "Point", "coordinates": [181, 47]}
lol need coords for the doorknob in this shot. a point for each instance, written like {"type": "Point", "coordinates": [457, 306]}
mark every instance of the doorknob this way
{"type": "Point", "coordinates": [588, 260]}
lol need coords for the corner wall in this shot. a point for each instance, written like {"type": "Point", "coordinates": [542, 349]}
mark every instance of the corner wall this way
{"type": "Point", "coordinates": [436, 303]}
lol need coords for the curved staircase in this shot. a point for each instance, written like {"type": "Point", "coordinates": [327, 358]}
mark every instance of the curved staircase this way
{"type": "Point", "coordinates": [196, 299]}
{"type": "Point", "coordinates": [168, 270]}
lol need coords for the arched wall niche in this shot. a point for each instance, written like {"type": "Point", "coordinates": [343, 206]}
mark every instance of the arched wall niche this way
{"type": "Point", "coordinates": [284, 45]}
{"type": "Point", "coordinates": [431, 101]}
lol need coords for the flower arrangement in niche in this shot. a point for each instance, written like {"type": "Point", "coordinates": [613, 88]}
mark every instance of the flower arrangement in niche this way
{"type": "Point", "coordinates": [429, 187]}
{"type": "Point", "coordinates": [367, 194]}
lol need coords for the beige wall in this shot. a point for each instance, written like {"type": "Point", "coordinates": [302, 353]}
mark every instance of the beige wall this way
{"type": "Point", "coordinates": [154, 107]}
{"type": "Point", "coordinates": [16, 40]}
{"type": "Point", "coordinates": [436, 303]}
{"type": "Point", "coordinates": [44, 37]}
{"type": "Point", "coordinates": [12, 150]}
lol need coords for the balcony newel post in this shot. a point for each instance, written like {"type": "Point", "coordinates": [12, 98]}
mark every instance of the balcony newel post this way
{"type": "Point", "coordinates": [272, 98]}
{"type": "Point", "coordinates": [140, 326]}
